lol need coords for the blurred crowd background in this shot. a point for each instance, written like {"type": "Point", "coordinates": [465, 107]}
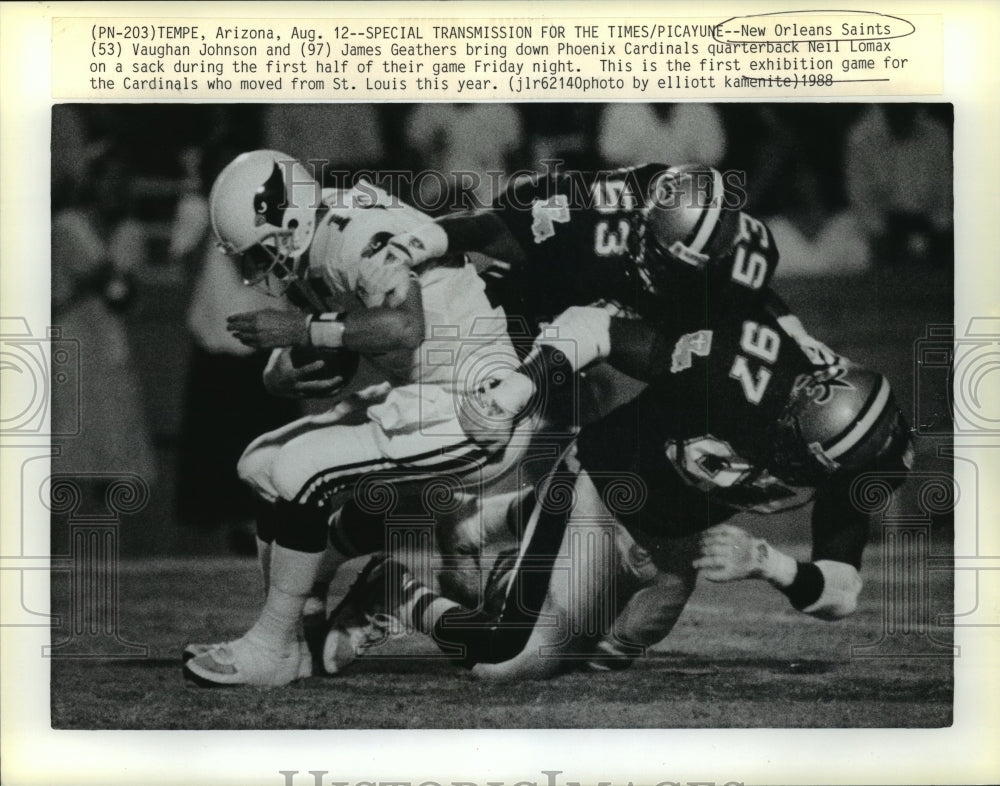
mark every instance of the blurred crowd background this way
{"type": "Point", "coordinates": [855, 193]}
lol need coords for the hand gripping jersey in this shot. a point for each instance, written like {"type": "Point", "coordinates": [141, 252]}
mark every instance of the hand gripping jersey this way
{"type": "Point", "coordinates": [463, 332]}
{"type": "Point", "coordinates": [591, 237]}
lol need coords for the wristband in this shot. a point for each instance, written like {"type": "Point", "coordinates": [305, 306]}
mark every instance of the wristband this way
{"type": "Point", "coordinates": [326, 331]}
{"type": "Point", "coordinates": [839, 590]}
{"type": "Point", "coordinates": [807, 587]}
{"type": "Point", "coordinates": [583, 331]}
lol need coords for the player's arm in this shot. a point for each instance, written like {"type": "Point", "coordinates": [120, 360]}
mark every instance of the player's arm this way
{"type": "Point", "coordinates": [840, 532]}
{"type": "Point", "coordinates": [638, 349]}
{"type": "Point", "coordinates": [777, 307]}
{"type": "Point", "coordinates": [397, 322]}
{"type": "Point", "coordinates": [827, 587]}
{"type": "Point", "coordinates": [482, 231]}
{"type": "Point", "coordinates": [503, 232]}
{"type": "Point", "coordinates": [577, 338]}
{"type": "Point", "coordinates": [588, 334]}
{"type": "Point", "coordinates": [819, 354]}
{"type": "Point", "coordinates": [380, 328]}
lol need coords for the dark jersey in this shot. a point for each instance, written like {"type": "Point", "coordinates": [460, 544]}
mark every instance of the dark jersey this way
{"type": "Point", "coordinates": [578, 235]}
{"type": "Point", "coordinates": [701, 437]}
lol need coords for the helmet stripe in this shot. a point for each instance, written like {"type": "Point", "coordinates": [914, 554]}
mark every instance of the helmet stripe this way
{"type": "Point", "coordinates": [710, 217]}
{"type": "Point", "coordinates": [868, 419]}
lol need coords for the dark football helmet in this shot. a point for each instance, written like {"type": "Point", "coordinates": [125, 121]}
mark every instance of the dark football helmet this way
{"type": "Point", "coordinates": [839, 420]}
{"type": "Point", "coordinates": [688, 218]}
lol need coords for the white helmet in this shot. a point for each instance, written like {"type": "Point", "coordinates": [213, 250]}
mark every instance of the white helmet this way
{"type": "Point", "coordinates": [263, 210]}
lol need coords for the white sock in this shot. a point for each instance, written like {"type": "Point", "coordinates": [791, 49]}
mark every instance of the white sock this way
{"type": "Point", "coordinates": [292, 575]}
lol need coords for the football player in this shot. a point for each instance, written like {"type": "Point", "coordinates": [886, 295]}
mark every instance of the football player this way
{"type": "Point", "coordinates": [743, 420]}
{"type": "Point", "coordinates": [430, 330]}
{"type": "Point", "coordinates": [672, 246]}
{"type": "Point", "coordinates": [664, 244]}
{"type": "Point", "coordinates": [657, 240]}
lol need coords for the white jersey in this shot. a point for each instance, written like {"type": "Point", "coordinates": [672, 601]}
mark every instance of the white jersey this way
{"type": "Point", "coordinates": [413, 430]}
{"type": "Point", "coordinates": [465, 337]}
{"type": "Point", "coordinates": [356, 225]}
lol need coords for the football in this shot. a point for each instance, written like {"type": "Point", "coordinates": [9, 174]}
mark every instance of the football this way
{"type": "Point", "coordinates": [336, 362]}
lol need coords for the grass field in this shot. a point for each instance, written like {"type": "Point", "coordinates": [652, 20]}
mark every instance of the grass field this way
{"type": "Point", "coordinates": [739, 657]}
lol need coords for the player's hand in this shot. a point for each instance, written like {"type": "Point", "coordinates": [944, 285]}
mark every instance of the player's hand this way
{"type": "Point", "coordinates": [270, 328]}
{"type": "Point", "coordinates": [729, 553]}
{"type": "Point", "coordinates": [422, 244]}
{"type": "Point", "coordinates": [384, 280]}
{"type": "Point", "coordinates": [487, 414]}
{"type": "Point", "coordinates": [283, 378]}
{"type": "Point", "coordinates": [586, 328]}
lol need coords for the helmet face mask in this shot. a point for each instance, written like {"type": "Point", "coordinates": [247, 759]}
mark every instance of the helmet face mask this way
{"type": "Point", "coordinates": [266, 267]}
{"type": "Point", "coordinates": [263, 210]}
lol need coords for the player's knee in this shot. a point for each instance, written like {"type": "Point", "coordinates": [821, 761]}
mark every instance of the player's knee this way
{"type": "Point", "coordinates": [254, 466]}
{"type": "Point", "coordinates": [355, 530]}
{"type": "Point", "coordinates": [460, 536]}
{"type": "Point", "coordinates": [288, 471]}
{"type": "Point", "coordinates": [254, 462]}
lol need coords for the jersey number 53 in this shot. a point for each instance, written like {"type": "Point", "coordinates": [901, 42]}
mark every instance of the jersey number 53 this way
{"type": "Point", "coordinates": [611, 234]}
{"type": "Point", "coordinates": [749, 262]}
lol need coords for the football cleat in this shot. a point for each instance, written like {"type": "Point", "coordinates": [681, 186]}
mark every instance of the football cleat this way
{"type": "Point", "coordinates": [610, 657]}
{"type": "Point", "coordinates": [195, 650]}
{"type": "Point", "coordinates": [244, 662]}
{"type": "Point", "coordinates": [365, 618]}
{"type": "Point", "coordinates": [306, 663]}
